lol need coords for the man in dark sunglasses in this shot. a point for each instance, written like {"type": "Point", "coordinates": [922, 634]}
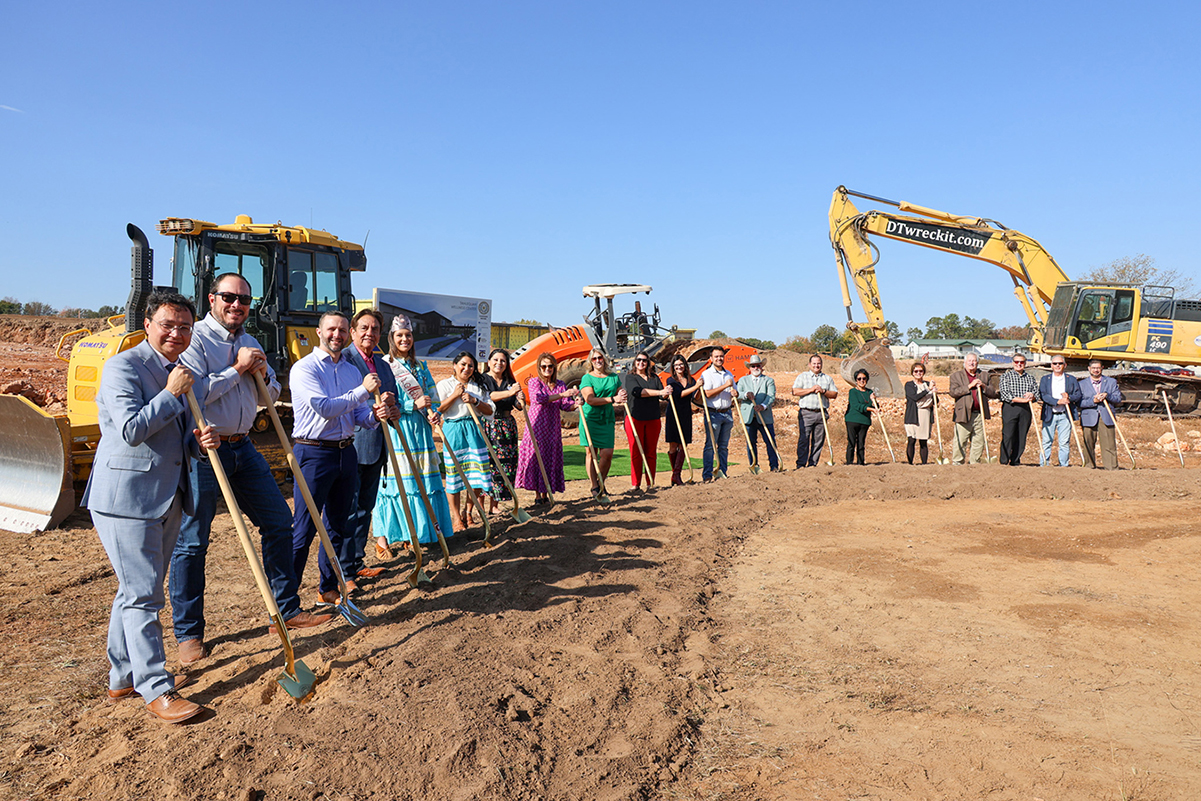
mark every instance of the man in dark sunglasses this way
{"type": "Point", "coordinates": [224, 359]}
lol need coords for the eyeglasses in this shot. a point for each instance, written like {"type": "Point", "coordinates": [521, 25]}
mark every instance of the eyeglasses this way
{"type": "Point", "coordinates": [230, 297]}
{"type": "Point", "coordinates": [184, 330]}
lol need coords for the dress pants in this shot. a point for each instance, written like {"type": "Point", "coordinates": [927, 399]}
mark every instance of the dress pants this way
{"type": "Point", "coordinates": [970, 434]}
{"type": "Point", "coordinates": [857, 441]}
{"type": "Point", "coordinates": [259, 498]}
{"type": "Point", "coordinates": [139, 551]}
{"type": "Point", "coordinates": [648, 435]}
{"type": "Point", "coordinates": [331, 474]}
{"type": "Point", "coordinates": [811, 437]}
{"type": "Point", "coordinates": [359, 526]}
{"type": "Point", "coordinates": [1109, 446]}
{"type": "Point", "coordinates": [719, 432]}
{"type": "Point", "coordinates": [1015, 427]}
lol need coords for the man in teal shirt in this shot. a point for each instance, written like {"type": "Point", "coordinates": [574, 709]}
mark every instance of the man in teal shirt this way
{"type": "Point", "coordinates": [756, 394]}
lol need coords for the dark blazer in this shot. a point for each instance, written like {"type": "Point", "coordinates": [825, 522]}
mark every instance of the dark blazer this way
{"type": "Point", "coordinates": [1089, 410]}
{"type": "Point", "coordinates": [369, 442]}
{"type": "Point", "coordinates": [1070, 385]}
{"type": "Point", "coordinates": [958, 389]}
{"type": "Point", "coordinates": [146, 442]}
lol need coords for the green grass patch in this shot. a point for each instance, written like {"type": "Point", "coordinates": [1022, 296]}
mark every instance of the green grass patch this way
{"type": "Point", "coordinates": [574, 470]}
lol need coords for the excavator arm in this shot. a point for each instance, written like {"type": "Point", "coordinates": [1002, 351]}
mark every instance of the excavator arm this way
{"type": "Point", "coordinates": [1034, 272]}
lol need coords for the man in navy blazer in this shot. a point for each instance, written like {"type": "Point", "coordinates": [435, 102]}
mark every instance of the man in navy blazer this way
{"type": "Point", "coordinates": [137, 493]}
{"type": "Point", "coordinates": [1059, 392]}
{"type": "Point", "coordinates": [1095, 419]}
{"type": "Point", "coordinates": [365, 331]}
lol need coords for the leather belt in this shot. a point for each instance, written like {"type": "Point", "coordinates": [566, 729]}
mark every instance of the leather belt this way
{"type": "Point", "coordinates": [335, 444]}
{"type": "Point", "coordinates": [234, 438]}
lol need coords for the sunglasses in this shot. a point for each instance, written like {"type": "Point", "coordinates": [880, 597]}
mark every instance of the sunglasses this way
{"type": "Point", "coordinates": [230, 297]}
{"type": "Point", "coordinates": [1058, 364]}
{"type": "Point", "coordinates": [598, 358]}
{"type": "Point", "coordinates": [546, 367]}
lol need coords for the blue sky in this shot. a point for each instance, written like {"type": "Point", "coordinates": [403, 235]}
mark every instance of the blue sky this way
{"type": "Point", "coordinates": [519, 150]}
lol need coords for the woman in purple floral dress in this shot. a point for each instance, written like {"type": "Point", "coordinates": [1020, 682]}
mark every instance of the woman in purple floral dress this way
{"type": "Point", "coordinates": [548, 398]}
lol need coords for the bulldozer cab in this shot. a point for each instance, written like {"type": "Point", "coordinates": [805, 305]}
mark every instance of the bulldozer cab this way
{"type": "Point", "coordinates": [295, 275]}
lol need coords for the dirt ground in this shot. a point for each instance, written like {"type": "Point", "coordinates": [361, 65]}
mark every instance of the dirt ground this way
{"type": "Point", "coordinates": [878, 632]}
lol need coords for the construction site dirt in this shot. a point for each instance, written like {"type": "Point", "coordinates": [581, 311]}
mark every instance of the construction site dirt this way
{"type": "Point", "coordinates": [878, 632]}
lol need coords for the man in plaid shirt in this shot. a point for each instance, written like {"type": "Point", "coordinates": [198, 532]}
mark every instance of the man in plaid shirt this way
{"type": "Point", "coordinates": [1018, 391]}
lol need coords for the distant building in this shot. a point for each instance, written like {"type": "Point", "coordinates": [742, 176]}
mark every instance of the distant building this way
{"type": "Point", "coordinates": [994, 350]}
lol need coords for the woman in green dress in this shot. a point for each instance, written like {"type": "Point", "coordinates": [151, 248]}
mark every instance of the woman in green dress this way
{"type": "Point", "coordinates": [601, 391]}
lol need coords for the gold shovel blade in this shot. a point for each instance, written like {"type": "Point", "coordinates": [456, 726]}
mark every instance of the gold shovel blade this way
{"type": "Point", "coordinates": [301, 685]}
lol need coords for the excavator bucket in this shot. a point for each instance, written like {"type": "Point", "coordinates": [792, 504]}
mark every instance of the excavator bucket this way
{"type": "Point", "coordinates": [36, 492]}
{"type": "Point", "coordinates": [875, 357]}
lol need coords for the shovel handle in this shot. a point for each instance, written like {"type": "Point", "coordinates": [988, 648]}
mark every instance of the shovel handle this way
{"type": "Point", "coordinates": [680, 430]}
{"type": "Point", "coordinates": [500, 470]}
{"type": "Point", "coordinates": [415, 576]}
{"type": "Point", "coordinates": [235, 512]}
{"type": "Point", "coordinates": [421, 490]}
{"type": "Point", "coordinates": [746, 434]}
{"type": "Point", "coordinates": [1118, 428]}
{"type": "Point", "coordinates": [646, 470]}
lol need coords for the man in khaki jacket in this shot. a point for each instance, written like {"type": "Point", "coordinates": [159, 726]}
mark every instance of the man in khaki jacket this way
{"type": "Point", "coordinates": [971, 393]}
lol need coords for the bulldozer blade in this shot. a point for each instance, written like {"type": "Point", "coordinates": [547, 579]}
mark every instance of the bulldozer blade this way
{"type": "Point", "coordinates": [875, 357]}
{"type": "Point", "coordinates": [301, 685]}
{"type": "Point", "coordinates": [35, 471]}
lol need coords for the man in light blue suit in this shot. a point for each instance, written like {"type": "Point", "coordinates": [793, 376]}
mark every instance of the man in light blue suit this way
{"type": "Point", "coordinates": [1095, 419]}
{"type": "Point", "coordinates": [137, 493]}
{"type": "Point", "coordinates": [365, 332]}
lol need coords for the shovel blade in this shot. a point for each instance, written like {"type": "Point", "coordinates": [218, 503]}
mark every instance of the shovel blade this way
{"type": "Point", "coordinates": [301, 685]}
{"type": "Point", "coordinates": [352, 614]}
{"type": "Point", "coordinates": [520, 515]}
{"type": "Point", "coordinates": [755, 470]}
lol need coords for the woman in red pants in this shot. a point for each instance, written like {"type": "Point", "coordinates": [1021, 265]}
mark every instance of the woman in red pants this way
{"type": "Point", "coordinates": [645, 391]}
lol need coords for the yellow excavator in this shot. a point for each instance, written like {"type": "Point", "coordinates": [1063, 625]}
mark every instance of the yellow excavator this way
{"type": "Point", "coordinates": [1116, 323]}
{"type": "Point", "coordinates": [295, 275]}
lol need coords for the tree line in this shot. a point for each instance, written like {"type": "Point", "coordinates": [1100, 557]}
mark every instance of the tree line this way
{"type": "Point", "coordinates": [36, 308]}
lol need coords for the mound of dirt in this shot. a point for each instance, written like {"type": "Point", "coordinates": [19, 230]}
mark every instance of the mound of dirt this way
{"type": "Point", "coordinates": [42, 330]}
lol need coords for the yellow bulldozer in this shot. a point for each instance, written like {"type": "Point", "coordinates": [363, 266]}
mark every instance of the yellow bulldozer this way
{"type": "Point", "coordinates": [295, 275]}
{"type": "Point", "coordinates": [1143, 328]}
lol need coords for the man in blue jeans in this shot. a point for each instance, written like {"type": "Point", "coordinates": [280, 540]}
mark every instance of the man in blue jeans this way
{"type": "Point", "coordinates": [224, 359]}
{"type": "Point", "coordinates": [1059, 392]}
{"type": "Point", "coordinates": [717, 386]}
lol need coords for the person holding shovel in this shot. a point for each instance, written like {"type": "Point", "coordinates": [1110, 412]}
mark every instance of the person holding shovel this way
{"type": "Point", "coordinates": [137, 493]}
{"type": "Point", "coordinates": [601, 391]}
{"type": "Point", "coordinates": [919, 413]}
{"type": "Point", "coordinates": [549, 398]}
{"type": "Point", "coordinates": [971, 393]}
{"type": "Point", "coordinates": [1059, 392]}
{"type": "Point", "coordinates": [858, 417]}
{"type": "Point", "coordinates": [1018, 393]}
{"type": "Point", "coordinates": [756, 394]}
{"type": "Point", "coordinates": [1097, 421]}
{"type": "Point", "coordinates": [815, 390]}
{"type": "Point", "coordinates": [642, 424]}
{"type": "Point", "coordinates": [416, 422]}
{"type": "Point", "coordinates": [463, 436]}
{"type": "Point", "coordinates": [683, 388]}
{"type": "Point", "coordinates": [501, 427]}
{"type": "Point", "coordinates": [330, 397]}
{"type": "Point", "coordinates": [717, 393]}
{"type": "Point", "coordinates": [224, 358]}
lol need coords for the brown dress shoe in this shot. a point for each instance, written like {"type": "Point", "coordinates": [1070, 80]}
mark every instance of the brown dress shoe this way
{"type": "Point", "coordinates": [173, 708]}
{"type": "Point", "coordinates": [306, 620]}
{"type": "Point", "coordinates": [192, 651]}
{"type": "Point", "coordinates": [370, 572]}
{"type": "Point", "coordinates": [130, 692]}
{"type": "Point", "coordinates": [330, 597]}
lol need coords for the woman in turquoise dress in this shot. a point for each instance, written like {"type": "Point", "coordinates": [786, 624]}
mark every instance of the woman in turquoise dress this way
{"type": "Point", "coordinates": [601, 391]}
{"type": "Point", "coordinates": [416, 387]}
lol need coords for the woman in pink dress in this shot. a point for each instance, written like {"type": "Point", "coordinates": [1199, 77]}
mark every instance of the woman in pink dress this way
{"type": "Point", "coordinates": [548, 398]}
